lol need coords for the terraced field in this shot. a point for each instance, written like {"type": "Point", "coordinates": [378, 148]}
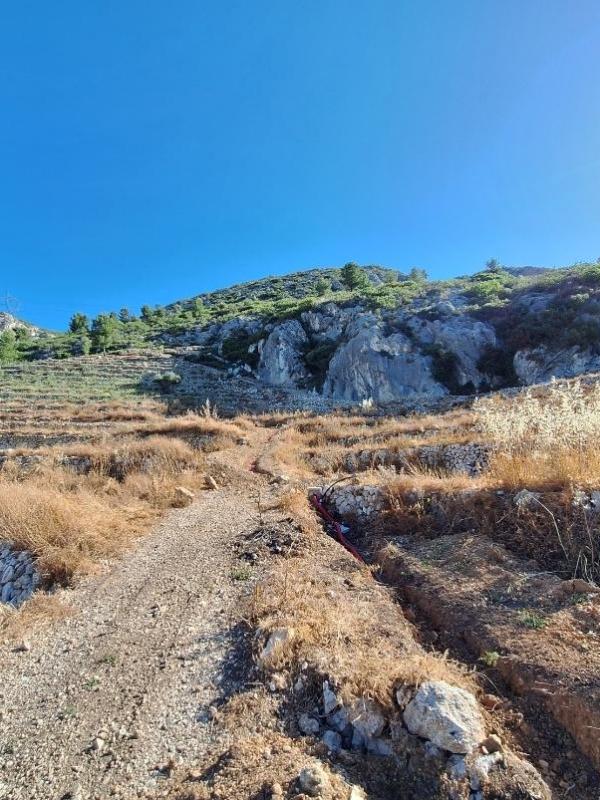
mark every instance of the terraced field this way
{"type": "Point", "coordinates": [80, 379]}
{"type": "Point", "coordinates": [127, 376]}
{"type": "Point", "coordinates": [494, 560]}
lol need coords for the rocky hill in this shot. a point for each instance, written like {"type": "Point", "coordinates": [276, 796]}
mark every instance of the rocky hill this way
{"type": "Point", "coordinates": [395, 337]}
{"type": "Point", "coordinates": [361, 334]}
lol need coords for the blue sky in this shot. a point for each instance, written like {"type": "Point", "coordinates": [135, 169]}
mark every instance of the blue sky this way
{"type": "Point", "coordinates": [153, 150]}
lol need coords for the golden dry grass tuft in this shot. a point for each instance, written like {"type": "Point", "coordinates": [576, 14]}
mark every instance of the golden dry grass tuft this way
{"type": "Point", "coordinates": [66, 532]}
{"type": "Point", "coordinates": [39, 610]}
{"type": "Point", "coordinates": [544, 437]}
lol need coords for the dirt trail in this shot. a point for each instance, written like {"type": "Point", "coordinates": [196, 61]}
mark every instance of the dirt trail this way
{"type": "Point", "coordinates": [105, 699]}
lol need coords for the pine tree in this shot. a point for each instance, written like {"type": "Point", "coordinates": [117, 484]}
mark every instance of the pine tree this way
{"type": "Point", "coordinates": [147, 314]}
{"type": "Point", "coordinates": [322, 286]}
{"type": "Point", "coordinates": [199, 310]}
{"type": "Point", "coordinates": [493, 265]}
{"type": "Point", "coordinates": [418, 275]}
{"type": "Point", "coordinates": [104, 332]}
{"type": "Point", "coordinates": [79, 323]}
{"type": "Point", "coordinates": [354, 277]}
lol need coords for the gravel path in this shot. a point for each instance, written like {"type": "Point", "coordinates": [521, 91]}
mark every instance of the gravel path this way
{"type": "Point", "coordinates": [106, 700]}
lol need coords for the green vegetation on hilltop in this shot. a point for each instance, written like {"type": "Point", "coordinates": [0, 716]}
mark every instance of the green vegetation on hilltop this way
{"type": "Point", "coordinates": [497, 295]}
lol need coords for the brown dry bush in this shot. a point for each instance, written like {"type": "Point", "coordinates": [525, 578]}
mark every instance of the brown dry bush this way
{"type": "Point", "coordinates": [119, 458]}
{"type": "Point", "coordinates": [41, 609]}
{"type": "Point", "coordinates": [115, 411]}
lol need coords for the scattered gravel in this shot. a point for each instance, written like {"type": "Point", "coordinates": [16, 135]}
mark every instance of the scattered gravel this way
{"type": "Point", "coordinates": [108, 701]}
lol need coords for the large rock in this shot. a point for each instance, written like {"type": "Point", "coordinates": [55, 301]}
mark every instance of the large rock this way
{"type": "Point", "coordinates": [541, 364]}
{"type": "Point", "coordinates": [466, 338]}
{"type": "Point", "coordinates": [383, 368]}
{"type": "Point", "coordinates": [10, 323]}
{"type": "Point", "coordinates": [217, 333]}
{"type": "Point", "coordinates": [445, 715]}
{"type": "Point", "coordinates": [281, 361]}
{"type": "Point", "coordinates": [327, 323]}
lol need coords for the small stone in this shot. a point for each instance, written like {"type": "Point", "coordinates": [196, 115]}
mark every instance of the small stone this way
{"type": "Point", "coordinates": [313, 780]}
{"type": "Point", "coordinates": [7, 574]}
{"type": "Point", "coordinates": [278, 682]}
{"type": "Point", "coordinates": [525, 498]}
{"type": "Point", "coordinates": [275, 643]}
{"type": "Point", "coordinates": [211, 483]}
{"type": "Point", "coordinates": [333, 741]}
{"type": "Point", "coordinates": [481, 767]}
{"type": "Point", "coordinates": [404, 695]}
{"type": "Point", "coordinates": [276, 791]}
{"type": "Point", "coordinates": [339, 720]}
{"type": "Point", "coordinates": [446, 715]}
{"type": "Point", "coordinates": [183, 496]}
{"type": "Point", "coordinates": [367, 718]}
{"type": "Point", "coordinates": [357, 793]}
{"type": "Point", "coordinates": [379, 746]}
{"type": "Point", "coordinates": [97, 744]}
{"type": "Point", "coordinates": [308, 725]}
{"type": "Point", "coordinates": [330, 701]}
{"type": "Point", "coordinates": [493, 743]}
{"type": "Point", "coordinates": [491, 701]}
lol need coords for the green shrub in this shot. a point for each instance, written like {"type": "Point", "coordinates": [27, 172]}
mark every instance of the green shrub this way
{"type": "Point", "coordinates": [322, 287]}
{"type": "Point", "coordinates": [236, 348]}
{"type": "Point", "coordinates": [317, 361]}
{"type": "Point", "coordinates": [165, 381]}
{"type": "Point", "coordinates": [8, 347]}
{"type": "Point", "coordinates": [591, 274]}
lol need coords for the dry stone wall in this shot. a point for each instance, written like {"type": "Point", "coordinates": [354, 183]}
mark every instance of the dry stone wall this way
{"type": "Point", "coordinates": [19, 576]}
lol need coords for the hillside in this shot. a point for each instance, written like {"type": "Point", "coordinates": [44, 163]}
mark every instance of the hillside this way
{"type": "Point", "coordinates": [357, 334]}
{"type": "Point", "coordinates": [270, 545]}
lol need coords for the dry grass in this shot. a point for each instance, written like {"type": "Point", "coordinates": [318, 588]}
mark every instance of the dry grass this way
{"type": "Point", "coordinates": [71, 522]}
{"type": "Point", "coordinates": [39, 610]}
{"type": "Point", "coordinates": [117, 459]}
{"type": "Point", "coordinates": [547, 471]}
{"type": "Point", "coordinates": [544, 438]}
{"type": "Point", "coordinates": [337, 444]}
{"type": "Point", "coordinates": [364, 430]}
{"type": "Point", "coordinates": [346, 626]}
{"type": "Point", "coordinates": [79, 504]}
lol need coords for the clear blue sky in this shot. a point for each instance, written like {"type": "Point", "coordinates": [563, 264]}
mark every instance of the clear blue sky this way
{"type": "Point", "coordinates": [150, 150]}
